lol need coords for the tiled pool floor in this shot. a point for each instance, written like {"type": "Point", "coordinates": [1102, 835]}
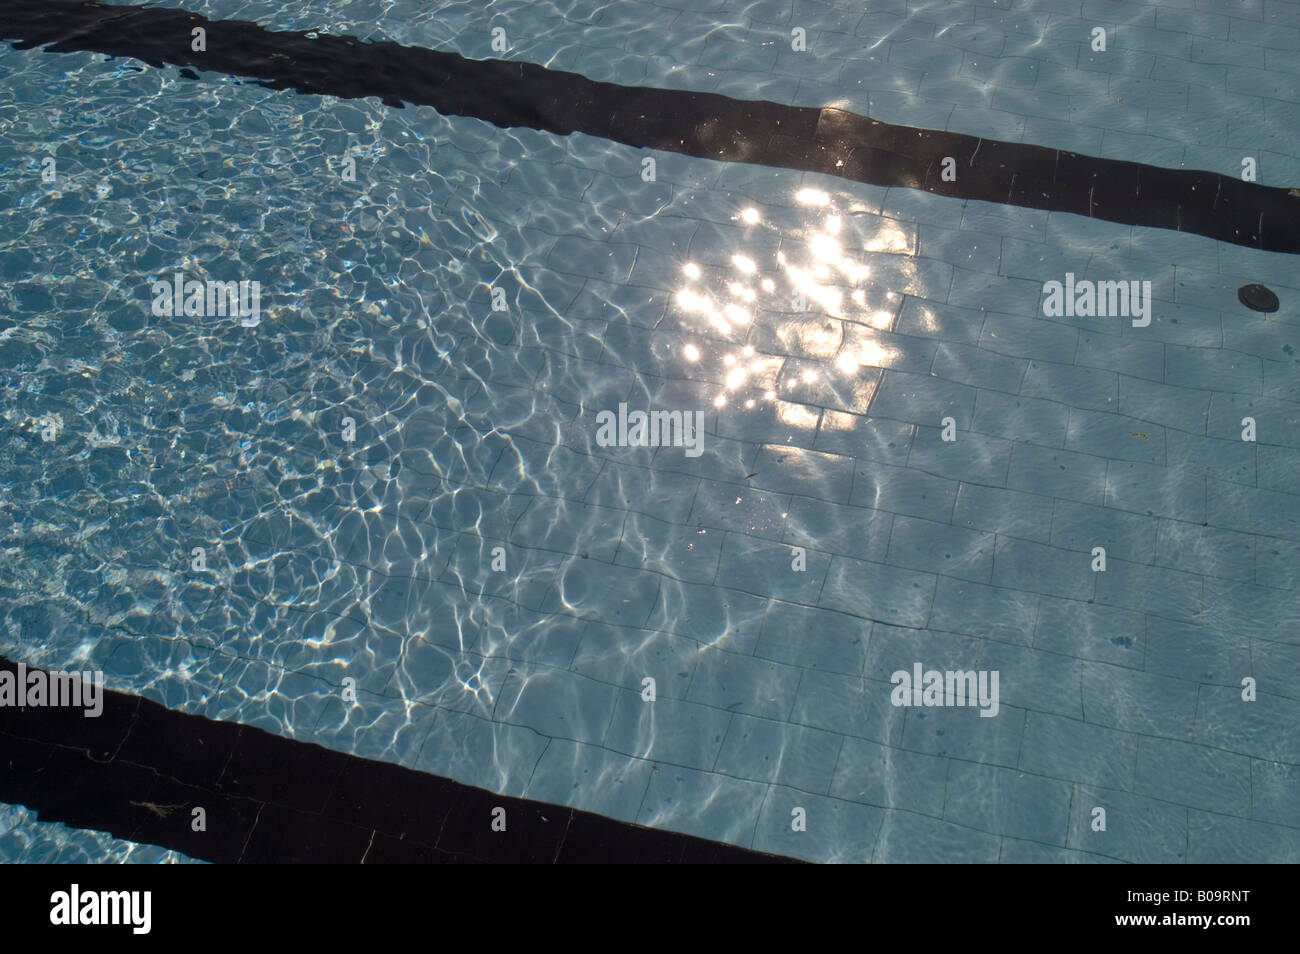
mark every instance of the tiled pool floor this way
{"type": "Point", "coordinates": [827, 536]}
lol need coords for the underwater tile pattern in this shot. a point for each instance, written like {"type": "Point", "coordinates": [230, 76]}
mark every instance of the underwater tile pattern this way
{"type": "Point", "coordinates": [372, 560]}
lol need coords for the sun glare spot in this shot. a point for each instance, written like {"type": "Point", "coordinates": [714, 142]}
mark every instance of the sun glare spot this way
{"type": "Point", "coordinates": [826, 248]}
{"type": "Point", "coordinates": [812, 197]}
{"type": "Point", "coordinates": [736, 314]}
{"type": "Point", "coordinates": [690, 301]}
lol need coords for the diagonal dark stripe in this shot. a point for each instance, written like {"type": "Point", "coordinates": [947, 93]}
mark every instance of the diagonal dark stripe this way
{"type": "Point", "coordinates": [707, 125]}
{"type": "Point", "coordinates": [138, 770]}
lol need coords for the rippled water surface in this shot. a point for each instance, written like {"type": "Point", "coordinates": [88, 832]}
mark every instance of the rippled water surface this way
{"type": "Point", "coordinates": [388, 480]}
{"type": "Point", "coordinates": [371, 558]}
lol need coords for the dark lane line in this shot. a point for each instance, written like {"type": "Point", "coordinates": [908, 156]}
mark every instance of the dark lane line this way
{"type": "Point", "coordinates": [707, 125]}
{"type": "Point", "coordinates": [139, 770]}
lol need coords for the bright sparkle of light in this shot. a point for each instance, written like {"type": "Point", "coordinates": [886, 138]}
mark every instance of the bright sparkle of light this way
{"type": "Point", "coordinates": [744, 263]}
{"type": "Point", "coordinates": [729, 360]}
{"type": "Point", "coordinates": [833, 225]}
{"type": "Point", "coordinates": [770, 395]}
{"type": "Point", "coordinates": [810, 376]}
{"type": "Point", "coordinates": [736, 314]}
{"type": "Point", "coordinates": [812, 197]}
{"type": "Point", "coordinates": [748, 351]}
{"type": "Point", "coordinates": [749, 216]}
{"type": "Point", "coordinates": [797, 416]}
{"type": "Point", "coordinates": [846, 363]}
{"type": "Point", "coordinates": [690, 301]}
{"type": "Point", "coordinates": [692, 270]}
{"type": "Point", "coordinates": [692, 353]}
{"type": "Point", "coordinates": [875, 354]}
{"type": "Point", "coordinates": [720, 401]}
{"type": "Point", "coordinates": [736, 378]}
{"type": "Point", "coordinates": [825, 248]}
{"type": "Point", "coordinates": [769, 285]}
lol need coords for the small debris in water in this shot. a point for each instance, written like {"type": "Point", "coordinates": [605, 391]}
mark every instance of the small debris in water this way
{"type": "Point", "coordinates": [162, 811]}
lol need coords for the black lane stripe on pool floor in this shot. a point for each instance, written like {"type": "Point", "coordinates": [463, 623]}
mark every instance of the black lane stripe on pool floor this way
{"type": "Point", "coordinates": [138, 770]}
{"type": "Point", "coordinates": [707, 125]}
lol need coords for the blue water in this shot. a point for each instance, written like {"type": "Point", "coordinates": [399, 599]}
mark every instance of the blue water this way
{"type": "Point", "coordinates": [372, 560]}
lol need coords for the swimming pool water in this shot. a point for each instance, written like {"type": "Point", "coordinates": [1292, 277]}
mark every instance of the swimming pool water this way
{"type": "Point", "coordinates": [497, 585]}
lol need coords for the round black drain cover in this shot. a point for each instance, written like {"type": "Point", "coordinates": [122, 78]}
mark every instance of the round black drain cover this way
{"type": "Point", "coordinates": [1257, 298]}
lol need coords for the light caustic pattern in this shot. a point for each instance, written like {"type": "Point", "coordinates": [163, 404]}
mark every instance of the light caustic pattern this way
{"type": "Point", "coordinates": [811, 294]}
